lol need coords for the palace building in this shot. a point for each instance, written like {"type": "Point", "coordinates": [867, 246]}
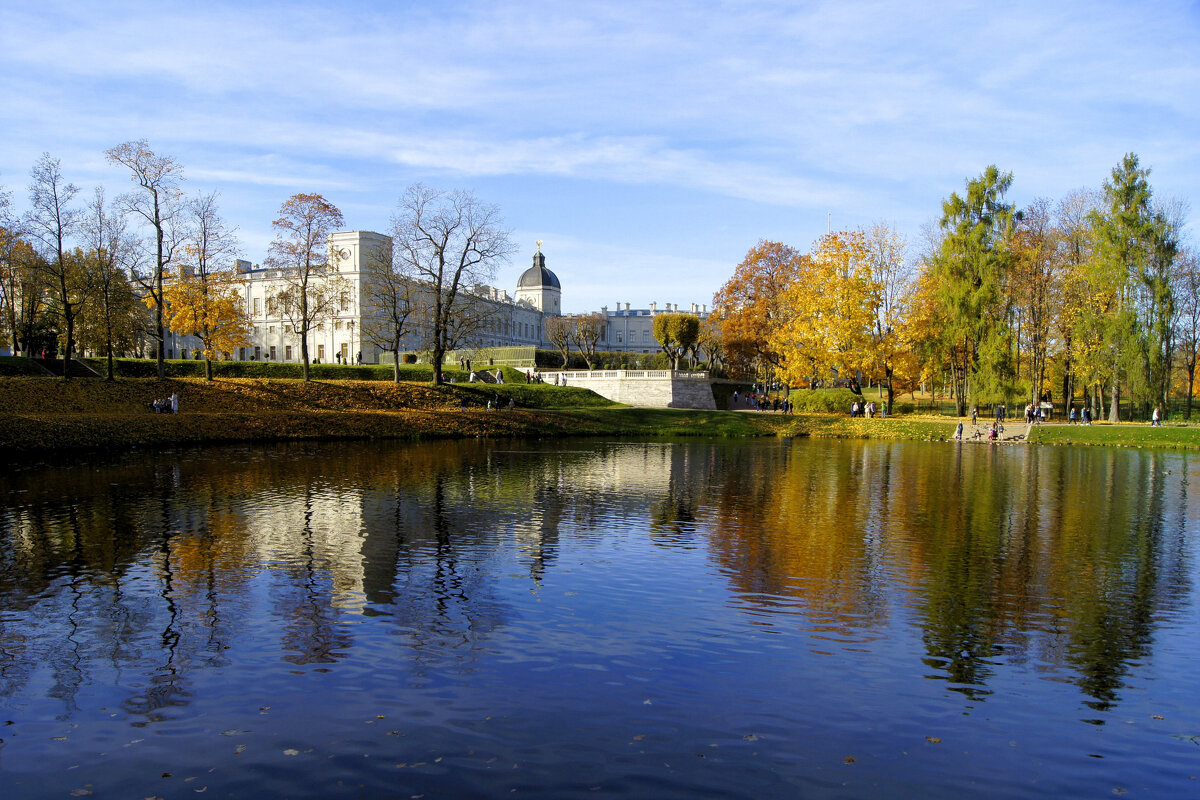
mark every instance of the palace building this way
{"type": "Point", "coordinates": [516, 320]}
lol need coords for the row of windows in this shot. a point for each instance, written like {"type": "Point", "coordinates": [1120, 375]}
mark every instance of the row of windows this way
{"type": "Point", "coordinates": [633, 337]}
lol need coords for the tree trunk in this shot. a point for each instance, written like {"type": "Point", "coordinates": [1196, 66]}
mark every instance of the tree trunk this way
{"type": "Point", "coordinates": [207, 367]}
{"type": "Point", "coordinates": [1114, 410]}
{"type": "Point", "coordinates": [1191, 373]}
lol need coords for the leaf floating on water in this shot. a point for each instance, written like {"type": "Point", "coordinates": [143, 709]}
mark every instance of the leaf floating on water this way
{"type": "Point", "coordinates": [750, 737]}
{"type": "Point", "coordinates": [166, 775]}
{"type": "Point", "coordinates": [241, 748]}
{"type": "Point", "coordinates": [80, 792]}
{"type": "Point", "coordinates": [1120, 790]}
{"type": "Point", "coordinates": [646, 703]}
{"type": "Point", "coordinates": [639, 737]}
{"type": "Point", "coordinates": [291, 752]}
{"type": "Point", "coordinates": [1156, 716]}
{"type": "Point", "coordinates": [934, 739]}
{"type": "Point", "coordinates": [849, 760]}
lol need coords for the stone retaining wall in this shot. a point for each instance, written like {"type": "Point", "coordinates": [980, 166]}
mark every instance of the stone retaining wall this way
{"type": "Point", "coordinates": [647, 388]}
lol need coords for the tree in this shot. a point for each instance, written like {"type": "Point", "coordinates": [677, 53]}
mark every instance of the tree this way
{"type": "Point", "coordinates": [310, 288]}
{"type": "Point", "coordinates": [1188, 328]}
{"type": "Point", "coordinates": [828, 311]}
{"type": "Point", "coordinates": [391, 297]}
{"type": "Point", "coordinates": [22, 287]}
{"type": "Point", "coordinates": [585, 330]}
{"type": "Point", "coordinates": [449, 242]}
{"type": "Point", "coordinates": [203, 300]}
{"type": "Point", "coordinates": [747, 305]}
{"type": "Point", "coordinates": [558, 333]}
{"type": "Point", "coordinates": [972, 271]}
{"type": "Point", "coordinates": [114, 317]}
{"type": "Point", "coordinates": [157, 202]}
{"type": "Point", "coordinates": [676, 333]}
{"type": "Point", "coordinates": [711, 342]}
{"type": "Point", "coordinates": [1128, 237]}
{"type": "Point", "coordinates": [1037, 267]}
{"type": "Point", "coordinates": [53, 222]}
{"type": "Point", "coordinates": [1076, 239]}
{"type": "Point", "coordinates": [22, 290]}
{"type": "Point", "coordinates": [890, 276]}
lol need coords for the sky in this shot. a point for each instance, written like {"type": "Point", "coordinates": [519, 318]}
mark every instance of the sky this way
{"type": "Point", "coordinates": [648, 145]}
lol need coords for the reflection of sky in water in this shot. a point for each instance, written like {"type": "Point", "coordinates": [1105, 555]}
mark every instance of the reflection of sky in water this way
{"type": "Point", "coordinates": [747, 618]}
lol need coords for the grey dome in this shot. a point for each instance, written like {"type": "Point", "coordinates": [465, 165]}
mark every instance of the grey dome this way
{"type": "Point", "coordinates": [537, 275]}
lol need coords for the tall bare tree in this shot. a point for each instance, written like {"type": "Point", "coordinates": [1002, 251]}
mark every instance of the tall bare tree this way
{"type": "Point", "coordinates": [203, 297]}
{"type": "Point", "coordinates": [116, 315]}
{"type": "Point", "coordinates": [311, 288]}
{"type": "Point", "coordinates": [157, 201]}
{"type": "Point", "coordinates": [585, 333]}
{"type": "Point", "coordinates": [558, 333]}
{"type": "Point", "coordinates": [449, 242]}
{"type": "Point", "coordinates": [391, 297]}
{"type": "Point", "coordinates": [52, 221]}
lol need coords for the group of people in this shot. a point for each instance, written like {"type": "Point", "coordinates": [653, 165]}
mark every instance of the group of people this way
{"type": "Point", "coordinates": [864, 409]}
{"type": "Point", "coordinates": [497, 404]}
{"type": "Point", "coordinates": [1084, 416]}
{"type": "Point", "coordinates": [166, 405]}
{"type": "Point", "coordinates": [1034, 415]}
{"type": "Point", "coordinates": [763, 403]}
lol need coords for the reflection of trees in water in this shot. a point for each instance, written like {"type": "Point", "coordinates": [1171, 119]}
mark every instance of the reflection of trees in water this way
{"type": "Point", "coordinates": [1057, 554]}
{"type": "Point", "coordinates": [800, 523]}
{"type": "Point", "coordinates": [1005, 552]}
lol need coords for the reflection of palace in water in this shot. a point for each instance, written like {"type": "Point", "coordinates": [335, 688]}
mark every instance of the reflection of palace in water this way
{"type": "Point", "coordinates": [1054, 555]}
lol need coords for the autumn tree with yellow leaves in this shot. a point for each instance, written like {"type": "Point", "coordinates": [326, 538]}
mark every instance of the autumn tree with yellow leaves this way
{"type": "Point", "coordinates": [827, 313]}
{"type": "Point", "coordinates": [203, 299]}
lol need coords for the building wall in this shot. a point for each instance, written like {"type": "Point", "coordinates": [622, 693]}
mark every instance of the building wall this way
{"type": "Point", "coordinates": [510, 321]}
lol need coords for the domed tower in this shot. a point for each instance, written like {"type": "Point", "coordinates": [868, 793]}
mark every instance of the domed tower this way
{"type": "Point", "coordinates": [539, 286]}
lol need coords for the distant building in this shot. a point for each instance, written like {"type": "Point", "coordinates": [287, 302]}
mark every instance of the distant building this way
{"type": "Point", "coordinates": [512, 320]}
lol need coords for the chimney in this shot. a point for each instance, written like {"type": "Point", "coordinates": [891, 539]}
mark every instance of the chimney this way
{"type": "Point", "coordinates": [626, 308]}
{"type": "Point", "coordinates": [653, 307]}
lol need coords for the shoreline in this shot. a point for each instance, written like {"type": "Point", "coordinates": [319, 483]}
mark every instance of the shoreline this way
{"type": "Point", "coordinates": [46, 415]}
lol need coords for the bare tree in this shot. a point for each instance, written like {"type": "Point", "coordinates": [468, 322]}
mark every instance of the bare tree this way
{"type": "Point", "coordinates": [450, 243]}
{"type": "Point", "coordinates": [311, 290]}
{"type": "Point", "coordinates": [157, 202]}
{"type": "Point", "coordinates": [558, 333]}
{"type": "Point", "coordinates": [585, 331]}
{"type": "Point", "coordinates": [116, 313]}
{"type": "Point", "coordinates": [391, 297]}
{"type": "Point", "coordinates": [203, 296]}
{"type": "Point", "coordinates": [53, 222]}
{"type": "Point", "coordinates": [1187, 288]}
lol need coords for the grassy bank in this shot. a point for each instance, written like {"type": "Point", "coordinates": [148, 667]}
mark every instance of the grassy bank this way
{"type": "Point", "coordinates": [51, 414]}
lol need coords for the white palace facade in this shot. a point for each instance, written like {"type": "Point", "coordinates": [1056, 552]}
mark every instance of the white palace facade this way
{"type": "Point", "coordinates": [516, 320]}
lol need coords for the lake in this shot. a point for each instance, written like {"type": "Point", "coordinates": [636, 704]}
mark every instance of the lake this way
{"type": "Point", "coordinates": [735, 619]}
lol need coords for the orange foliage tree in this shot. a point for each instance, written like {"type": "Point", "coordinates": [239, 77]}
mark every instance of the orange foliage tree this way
{"type": "Point", "coordinates": [747, 308]}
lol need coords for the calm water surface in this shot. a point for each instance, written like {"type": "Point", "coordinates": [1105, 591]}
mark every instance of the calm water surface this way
{"type": "Point", "coordinates": [777, 619]}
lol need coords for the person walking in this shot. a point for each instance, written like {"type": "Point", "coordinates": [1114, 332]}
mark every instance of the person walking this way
{"type": "Point", "coordinates": [1156, 419]}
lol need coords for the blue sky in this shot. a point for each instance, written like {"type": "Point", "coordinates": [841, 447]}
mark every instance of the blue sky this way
{"type": "Point", "coordinates": [650, 145]}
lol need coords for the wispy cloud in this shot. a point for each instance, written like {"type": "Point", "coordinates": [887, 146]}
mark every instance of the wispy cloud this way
{"type": "Point", "coordinates": [742, 111]}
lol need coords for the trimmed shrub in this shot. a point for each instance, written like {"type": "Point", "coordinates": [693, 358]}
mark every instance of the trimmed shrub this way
{"type": "Point", "coordinates": [824, 401]}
